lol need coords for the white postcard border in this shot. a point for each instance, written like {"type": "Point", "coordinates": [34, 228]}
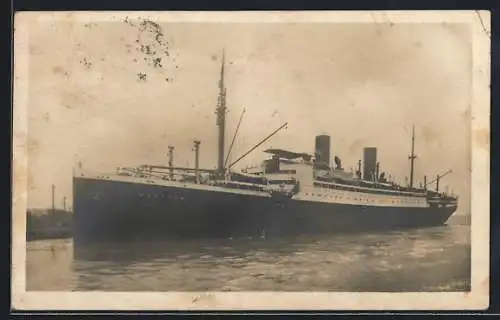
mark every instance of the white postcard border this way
{"type": "Point", "coordinates": [477, 299]}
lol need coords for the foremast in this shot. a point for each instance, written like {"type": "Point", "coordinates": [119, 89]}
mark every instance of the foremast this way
{"type": "Point", "coordinates": [221, 118]}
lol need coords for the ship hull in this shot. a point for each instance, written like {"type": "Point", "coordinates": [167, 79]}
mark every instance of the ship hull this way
{"type": "Point", "coordinates": [107, 210]}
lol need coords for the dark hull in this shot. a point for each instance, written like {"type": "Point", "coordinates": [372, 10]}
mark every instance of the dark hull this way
{"type": "Point", "coordinates": [127, 211]}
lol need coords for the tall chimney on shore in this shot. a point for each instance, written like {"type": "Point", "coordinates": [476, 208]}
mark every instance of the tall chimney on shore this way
{"type": "Point", "coordinates": [196, 159]}
{"type": "Point", "coordinates": [53, 198]}
{"type": "Point", "coordinates": [171, 161]}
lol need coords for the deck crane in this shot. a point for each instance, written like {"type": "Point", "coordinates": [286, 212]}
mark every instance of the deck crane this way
{"type": "Point", "coordinates": [257, 145]}
{"type": "Point", "coordinates": [438, 177]}
{"type": "Point", "coordinates": [234, 137]}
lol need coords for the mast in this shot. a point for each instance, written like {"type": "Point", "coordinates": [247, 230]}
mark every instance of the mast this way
{"type": "Point", "coordinates": [412, 157]}
{"type": "Point", "coordinates": [359, 169]}
{"type": "Point", "coordinates": [221, 116]}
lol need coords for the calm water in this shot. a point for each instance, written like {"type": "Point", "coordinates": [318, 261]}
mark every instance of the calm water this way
{"type": "Point", "coordinates": [436, 259]}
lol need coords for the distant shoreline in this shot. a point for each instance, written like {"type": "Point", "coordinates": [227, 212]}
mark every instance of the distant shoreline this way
{"type": "Point", "coordinates": [49, 224]}
{"type": "Point", "coordinates": [48, 235]}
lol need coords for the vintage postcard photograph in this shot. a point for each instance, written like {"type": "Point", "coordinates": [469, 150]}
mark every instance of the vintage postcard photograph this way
{"type": "Point", "coordinates": [251, 160]}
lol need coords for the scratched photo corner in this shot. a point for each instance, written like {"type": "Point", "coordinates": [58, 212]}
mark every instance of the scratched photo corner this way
{"type": "Point", "coordinates": [251, 153]}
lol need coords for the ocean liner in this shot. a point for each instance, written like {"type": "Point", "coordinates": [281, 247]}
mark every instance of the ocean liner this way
{"type": "Point", "coordinates": [291, 193]}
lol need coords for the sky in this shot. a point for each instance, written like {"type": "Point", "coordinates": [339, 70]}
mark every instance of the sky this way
{"type": "Point", "coordinates": [98, 97]}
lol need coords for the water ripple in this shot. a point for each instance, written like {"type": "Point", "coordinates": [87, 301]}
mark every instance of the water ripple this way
{"type": "Point", "coordinates": [431, 259]}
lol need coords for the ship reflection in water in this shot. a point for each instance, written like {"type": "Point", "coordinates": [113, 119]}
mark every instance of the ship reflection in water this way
{"type": "Point", "coordinates": [432, 259]}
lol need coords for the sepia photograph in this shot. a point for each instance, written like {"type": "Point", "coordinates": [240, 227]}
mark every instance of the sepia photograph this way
{"type": "Point", "coordinates": [251, 160]}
